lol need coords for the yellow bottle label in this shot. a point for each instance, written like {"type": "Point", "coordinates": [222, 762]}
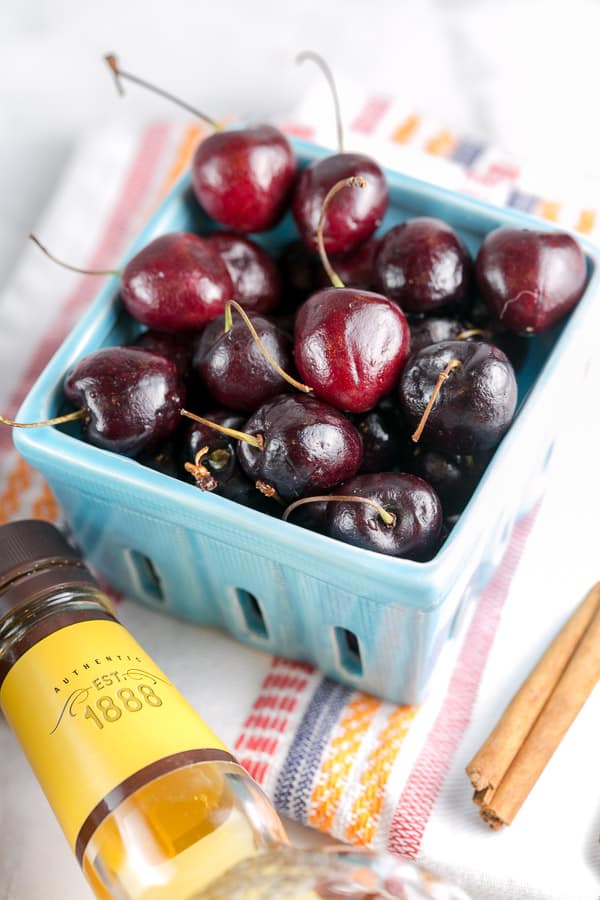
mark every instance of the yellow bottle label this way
{"type": "Point", "coordinates": [91, 709]}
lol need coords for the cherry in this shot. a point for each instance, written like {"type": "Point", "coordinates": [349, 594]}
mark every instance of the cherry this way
{"type": "Point", "coordinates": [384, 435]}
{"type": "Point", "coordinates": [219, 457]}
{"type": "Point", "coordinates": [352, 217]}
{"type": "Point", "coordinates": [179, 348]}
{"type": "Point", "coordinates": [433, 329]}
{"type": "Point", "coordinates": [233, 367]}
{"type": "Point", "coordinates": [177, 282]}
{"type": "Point", "coordinates": [350, 346]}
{"type": "Point", "coordinates": [474, 405]}
{"type": "Point", "coordinates": [413, 504]}
{"type": "Point", "coordinates": [162, 458]}
{"type": "Point", "coordinates": [454, 478]}
{"type": "Point", "coordinates": [304, 446]}
{"type": "Point", "coordinates": [530, 279]}
{"type": "Point", "coordinates": [255, 277]}
{"type": "Point", "coordinates": [356, 268]}
{"type": "Point", "coordinates": [131, 398]}
{"type": "Point", "coordinates": [210, 461]}
{"type": "Point", "coordinates": [242, 178]}
{"type": "Point", "coordinates": [423, 265]}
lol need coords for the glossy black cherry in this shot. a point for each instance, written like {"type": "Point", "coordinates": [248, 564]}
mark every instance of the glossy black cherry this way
{"type": "Point", "coordinates": [233, 368]}
{"type": "Point", "coordinates": [413, 503]}
{"type": "Point", "coordinates": [308, 446]}
{"type": "Point", "coordinates": [475, 404]}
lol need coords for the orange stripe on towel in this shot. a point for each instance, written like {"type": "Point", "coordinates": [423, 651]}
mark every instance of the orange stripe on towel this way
{"type": "Point", "coordinates": [405, 131]}
{"type": "Point", "coordinates": [341, 754]}
{"type": "Point", "coordinates": [586, 221]}
{"type": "Point", "coordinates": [364, 817]}
{"type": "Point", "coordinates": [441, 143]}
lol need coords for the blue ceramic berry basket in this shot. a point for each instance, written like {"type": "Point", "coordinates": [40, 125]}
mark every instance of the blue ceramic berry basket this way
{"type": "Point", "coordinates": [371, 621]}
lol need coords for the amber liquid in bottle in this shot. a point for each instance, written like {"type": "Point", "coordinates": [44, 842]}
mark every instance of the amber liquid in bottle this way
{"type": "Point", "coordinates": [177, 834]}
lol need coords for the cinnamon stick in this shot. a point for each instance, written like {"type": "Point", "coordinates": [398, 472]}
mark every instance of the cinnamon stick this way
{"type": "Point", "coordinates": [490, 764]}
{"type": "Point", "coordinates": [574, 686]}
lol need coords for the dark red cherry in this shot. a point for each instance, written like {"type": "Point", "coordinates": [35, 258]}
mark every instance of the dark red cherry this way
{"type": "Point", "coordinates": [530, 279]}
{"type": "Point", "coordinates": [453, 477]}
{"type": "Point", "coordinates": [414, 504]}
{"type": "Point", "coordinates": [356, 268]}
{"type": "Point", "coordinates": [242, 178]}
{"type": "Point", "coordinates": [220, 457]}
{"type": "Point", "coordinates": [352, 216]}
{"type": "Point", "coordinates": [307, 446]}
{"type": "Point", "coordinates": [423, 265]}
{"type": "Point", "coordinates": [131, 397]}
{"type": "Point", "coordinates": [312, 516]}
{"type": "Point", "coordinates": [476, 402]}
{"type": "Point", "coordinates": [162, 458]}
{"type": "Point", "coordinates": [233, 368]}
{"type": "Point", "coordinates": [221, 472]}
{"type": "Point", "coordinates": [384, 436]}
{"type": "Point", "coordinates": [178, 282]}
{"type": "Point", "coordinates": [433, 329]}
{"type": "Point", "coordinates": [350, 346]}
{"type": "Point", "coordinates": [255, 277]}
{"type": "Point", "coordinates": [179, 348]}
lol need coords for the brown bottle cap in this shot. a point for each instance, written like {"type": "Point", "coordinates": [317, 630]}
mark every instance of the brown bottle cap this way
{"type": "Point", "coordinates": [35, 555]}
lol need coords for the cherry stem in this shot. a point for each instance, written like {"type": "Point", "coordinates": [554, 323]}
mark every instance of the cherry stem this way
{"type": "Point", "coordinates": [58, 420]}
{"type": "Point", "coordinates": [318, 59]}
{"type": "Point", "coordinates": [119, 74]}
{"type": "Point", "coordinates": [473, 332]}
{"type": "Point", "coordinates": [204, 479]}
{"type": "Point", "coordinates": [272, 362]}
{"type": "Point", "coordinates": [256, 440]}
{"type": "Point", "coordinates": [388, 518]}
{"type": "Point", "coordinates": [355, 181]}
{"type": "Point", "coordinates": [71, 268]}
{"type": "Point", "coordinates": [453, 364]}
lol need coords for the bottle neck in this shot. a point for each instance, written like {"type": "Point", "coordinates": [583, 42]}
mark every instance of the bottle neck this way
{"type": "Point", "coordinates": [42, 614]}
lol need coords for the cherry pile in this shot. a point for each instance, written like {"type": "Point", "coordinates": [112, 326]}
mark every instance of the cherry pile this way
{"type": "Point", "coordinates": [362, 398]}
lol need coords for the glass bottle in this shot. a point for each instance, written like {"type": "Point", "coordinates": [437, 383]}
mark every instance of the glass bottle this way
{"type": "Point", "coordinates": [152, 803]}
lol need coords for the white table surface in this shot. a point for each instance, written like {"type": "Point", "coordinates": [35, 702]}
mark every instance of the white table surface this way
{"type": "Point", "coordinates": [521, 73]}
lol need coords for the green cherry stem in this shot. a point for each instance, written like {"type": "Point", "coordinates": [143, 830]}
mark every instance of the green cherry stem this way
{"type": "Point", "coordinates": [119, 73]}
{"type": "Point", "coordinates": [64, 265]}
{"type": "Point", "coordinates": [256, 440]}
{"type": "Point", "coordinates": [355, 181]}
{"type": "Point", "coordinates": [58, 420]}
{"type": "Point", "coordinates": [388, 518]}
{"type": "Point", "coordinates": [318, 59]}
{"type": "Point", "coordinates": [453, 364]}
{"type": "Point", "coordinates": [233, 304]}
